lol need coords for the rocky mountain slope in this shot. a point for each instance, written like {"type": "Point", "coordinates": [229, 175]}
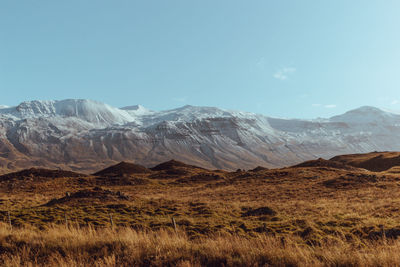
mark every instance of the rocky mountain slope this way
{"type": "Point", "coordinates": [86, 135]}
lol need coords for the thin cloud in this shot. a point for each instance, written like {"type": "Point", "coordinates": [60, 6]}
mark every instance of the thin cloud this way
{"type": "Point", "coordinates": [283, 74]}
{"type": "Point", "coordinates": [325, 106]}
{"type": "Point", "coordinates": [330, 106]}
{"type": "Point", "coordinates": [394, 102]}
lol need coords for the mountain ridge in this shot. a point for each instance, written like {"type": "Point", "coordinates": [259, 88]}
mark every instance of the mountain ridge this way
{"type": "Point", "coordinates": [84, 135]}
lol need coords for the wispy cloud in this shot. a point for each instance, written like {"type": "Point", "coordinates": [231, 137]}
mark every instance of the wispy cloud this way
{"type": "Point", "coordinates": [330, 106]}
{"type": "Point", "coordinates": [325, 106]}
{"type": "Point", "coordinates": [385, 101]}
{"type": "Point", "coordinates": [283, 74]}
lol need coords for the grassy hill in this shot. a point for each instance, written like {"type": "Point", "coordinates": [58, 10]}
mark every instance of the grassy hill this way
{"type": "Point", "coordinates": [320, 213]}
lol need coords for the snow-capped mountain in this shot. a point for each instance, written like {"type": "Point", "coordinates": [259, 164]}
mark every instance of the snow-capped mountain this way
{"type": "Point", "coordinates": [367, 115]}
{"type": "Point", "coordinates": [86, 135]}
{"type": "Point", "coordinates": [86, 110]}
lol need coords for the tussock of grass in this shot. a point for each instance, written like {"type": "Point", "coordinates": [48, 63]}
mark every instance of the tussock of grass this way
{"type": "Point", "coordinates": [74, 246]}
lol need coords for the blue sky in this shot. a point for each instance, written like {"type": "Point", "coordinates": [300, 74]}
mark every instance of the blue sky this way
{"type": "Point", "coordinates": [281, 58]}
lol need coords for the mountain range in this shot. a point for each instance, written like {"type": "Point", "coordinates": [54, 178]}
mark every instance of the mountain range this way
{"type": "Point", "coordinates": [85, 135]}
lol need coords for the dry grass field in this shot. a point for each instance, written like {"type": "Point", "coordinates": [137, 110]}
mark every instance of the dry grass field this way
{"type": "Point", "coordinates": [319, 213]}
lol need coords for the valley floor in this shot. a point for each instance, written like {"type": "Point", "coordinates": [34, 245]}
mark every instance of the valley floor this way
{"type": "Point", "coordinates": [313, 215]}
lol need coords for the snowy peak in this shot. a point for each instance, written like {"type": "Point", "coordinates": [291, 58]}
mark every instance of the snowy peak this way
{"type": "Point", "coordinates": [190, 113]}
{"type": "Point", "coordinates": [134, 107]}
{"type": "Point", "coordinates": [33, 108]}
{"type": "Point", "coordinates": [92, 111]}
{"type": "Point", "coordinates": [137, 110]}
{"type": "Point", "coordinates": [101, 114]}
{"type": "Point", "coordinates": [367, 114]}
{"type": "Point", "coordinates": [86, 132]}
{"type": "Point", "coordinates": [199, 110]}
{"type": "Point", "coordinates": [87, 110]}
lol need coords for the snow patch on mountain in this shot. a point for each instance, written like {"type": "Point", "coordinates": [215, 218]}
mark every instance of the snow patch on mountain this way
{"type": "Point", "coordinates": [367, 114]}
{"type": "Point", "coordinates": [85, 130]}
{"type": "Point", "coordinates": [138, 110]}
{"type": "Point", "coordinates": [190, 113]}
{"type": "Point", "coordinates": [86, 110]}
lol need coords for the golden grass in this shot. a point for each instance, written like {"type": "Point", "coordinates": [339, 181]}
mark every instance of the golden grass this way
{"type": "Point", "coordinates": [59, 246]}
{"type": "Point", "coordinates": [323, 217]}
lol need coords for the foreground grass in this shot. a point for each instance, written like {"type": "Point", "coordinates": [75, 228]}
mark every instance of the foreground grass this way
{"type": "Point", "coordinates": [59, 246]}
{"type": "Point", "coordinates": [285, 217]}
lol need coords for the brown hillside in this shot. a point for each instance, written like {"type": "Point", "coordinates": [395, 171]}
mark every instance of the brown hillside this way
{"type": "Point", "coordinates": [173, 164]}
{"type": "Point", "coordinates": [394, 170]}
{"type": "Point", "coordinates": [40, 173]}
{"type": "Point", "coordinates": [325, 163]}
{"type": "Point", "coordinates": [121, 169]}
{"type": "Point", "coordinates": [291, 208]}
{"type": "Point", "coordinates": [375, 161]}
{"type": "Point", "coordinates": [174, 168]}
